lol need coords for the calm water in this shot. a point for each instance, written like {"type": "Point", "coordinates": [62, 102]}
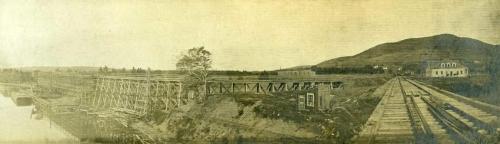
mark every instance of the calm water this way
{"type": "Point", "coordinates": [17, 127]}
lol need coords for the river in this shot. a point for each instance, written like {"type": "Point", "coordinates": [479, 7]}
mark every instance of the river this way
{"type": "Point", "coordinates": [17, 127]}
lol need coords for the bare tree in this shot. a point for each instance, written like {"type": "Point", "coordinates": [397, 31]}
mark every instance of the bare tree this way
{"type": "Point", "coordinates": [196, 63]}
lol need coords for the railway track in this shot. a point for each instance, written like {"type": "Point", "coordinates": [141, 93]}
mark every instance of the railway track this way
{"type": "Point", "coordinates": [411, 112]}
{"type": "Point", "coordinates": [389, 122]}
{"type": "Point", "coordinates": [427, 127]}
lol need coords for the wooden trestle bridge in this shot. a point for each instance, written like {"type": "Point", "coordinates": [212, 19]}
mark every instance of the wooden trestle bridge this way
{"type": "Point", "coordinates": [100, 106]}
{"type": "Point", "coordinates": [267, 86]}
{"type": "Point", "coordinates": [141, 94]}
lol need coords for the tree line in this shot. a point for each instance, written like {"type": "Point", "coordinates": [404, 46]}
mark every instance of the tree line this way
{"type": "Point", "coordinates": [106, 69]}
{"type": "Point", "coordinates": [241, 73]}
{"type": "Point", "coordinates": [15, 75]}
{"type": "Point", "coordinates": [367, 69]}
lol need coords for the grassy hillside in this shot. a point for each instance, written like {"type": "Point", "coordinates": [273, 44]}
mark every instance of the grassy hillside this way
{"type": "Point", "coordinates": [483, 59]}
{"type": "Point", "coordinates": [473, 53]}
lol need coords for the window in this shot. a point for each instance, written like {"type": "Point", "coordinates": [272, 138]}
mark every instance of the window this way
{"type": "Point", "coordinates": [454, 64]}
{"type": "Point", "coordinates": [310, 99]}
{"type": "Point", "coordinates": [437, 73]}
{"type": "Point", "coordinates": [441, 72]}
{"type": "Point", "coordinates": [461, 72]}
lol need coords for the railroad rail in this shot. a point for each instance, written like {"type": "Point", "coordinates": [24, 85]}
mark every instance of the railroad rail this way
{"type": "Point", "coordinates": [426, 115]}
{"type": "Point", "coordinates": [389, 122]}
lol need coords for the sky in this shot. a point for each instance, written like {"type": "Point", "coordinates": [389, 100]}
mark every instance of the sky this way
{"type": "Point", "coordinates": [241, 34]}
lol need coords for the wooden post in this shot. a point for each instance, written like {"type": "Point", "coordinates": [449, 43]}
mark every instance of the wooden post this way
{"type": "Point", "coordinates": [167, 97]}
{"type": "Point", "coordinates": [208, 89]}
{"type": "Point", "coordinates": [146, 104]}
{"type": "Point", "coordinates": [113, 101]}
{"type": "Point", "coordinates": [96, 91]}
{"type": "Point", "coordinates": [157, 92]}
{"type": "Point", "coordinates": [136, 94]}
{"type": "Point", "coordinates": [258, 87]}
{"type": "Point", "coordinates": [270, 86]}
{"type": "Point", "coordinates": [246, 87]}
{"type": "Point", "coordinates": [287, 87]}
{"type": "Point", "coordinates": [220, 87]}
{"type": "Point", "coordinates": [107, 97]}
{"type": "Point", "coordinates": [179, 95]}
{"type": "Point", "coordinates": [232, 87]}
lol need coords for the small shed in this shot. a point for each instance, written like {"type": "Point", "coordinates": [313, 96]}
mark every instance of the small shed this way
{"type": "Point", "coordinates": [318, 98]}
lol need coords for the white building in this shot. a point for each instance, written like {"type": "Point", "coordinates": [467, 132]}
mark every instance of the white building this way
{"type": "Point", "coordinates": [446, 69]}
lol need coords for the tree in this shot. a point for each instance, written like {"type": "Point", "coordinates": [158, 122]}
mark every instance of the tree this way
{"type": "Point", "coordinates": [105, 69]}
{"type": "Point", "coordinates": [196, 63]}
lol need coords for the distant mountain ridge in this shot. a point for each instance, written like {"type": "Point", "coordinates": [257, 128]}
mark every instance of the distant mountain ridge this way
{"type": "Point", "coordinates": [418, 50]}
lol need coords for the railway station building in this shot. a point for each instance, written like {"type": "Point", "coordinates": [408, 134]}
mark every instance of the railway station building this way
{"type": "Point", "coordinates": [446, 69]}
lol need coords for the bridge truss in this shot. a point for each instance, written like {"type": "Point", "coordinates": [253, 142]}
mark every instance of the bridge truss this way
{"type": "Point", "coordinates": [137, 95]}
{"type": "Point", "coordinates": [142, 94]}
{"type": "Point", "coordinates": [264, 87]}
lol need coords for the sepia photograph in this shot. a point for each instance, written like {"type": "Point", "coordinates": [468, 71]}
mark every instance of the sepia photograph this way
{"type": "Point", "coordinates": [249, 71]}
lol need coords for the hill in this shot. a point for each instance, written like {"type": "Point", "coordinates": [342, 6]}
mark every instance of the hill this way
{"type": "Point", "coordinates": [473, 53]}
{"type": "Point", "coordinates": [301, 67]}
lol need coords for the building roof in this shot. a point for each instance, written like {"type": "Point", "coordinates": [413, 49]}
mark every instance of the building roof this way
{"type": "Point", "coordinates": [444, 64]}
